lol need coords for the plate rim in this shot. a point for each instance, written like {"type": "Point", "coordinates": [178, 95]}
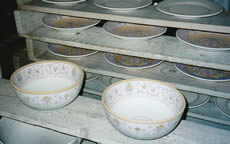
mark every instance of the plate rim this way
{"type": "Point", "coordinates": [64, 3]}
{"type": "Point", "coordinates": [69, 29]}
{"type": "Point", "coordinates": [197, 46]}
{"type": "Point", "coordinates": [61, 55]}
{"type": "Point", "coordinates": [158, 7]}
{"type": "Point", "coordinates": [123, 9]}
{"type": "Point", "coordinates": [132, 38]}
{"type": "Point", "coordinates": [220, 107]}
{"type": "Point", "coordinates": [133, 68]}
{"type": "Point", "coordinates": [175, 64]}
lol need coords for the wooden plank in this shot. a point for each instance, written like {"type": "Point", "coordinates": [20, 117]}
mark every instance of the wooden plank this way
{"type": "Point", "coordinates": [85, 118]}
{"type": "Point", "coordinates": [165, 48]}
{"type": "Point", "coordinates": [208, 112]}
{"type": "Point", "coordinates": [148, 15]}
{"type": "Point", "coordinates": [165, 72]}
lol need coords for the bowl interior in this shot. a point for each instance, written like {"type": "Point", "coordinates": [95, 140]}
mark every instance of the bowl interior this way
{"type": "Point", "coordinates": [143, 100]}
{"type": "Point", "coordinates": [47, 76]}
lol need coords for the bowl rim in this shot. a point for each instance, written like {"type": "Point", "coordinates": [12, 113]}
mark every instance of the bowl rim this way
{"type": "Point", "coordinates": [139, 121]}
{"type": "Point", "coordinates": [46, 92]}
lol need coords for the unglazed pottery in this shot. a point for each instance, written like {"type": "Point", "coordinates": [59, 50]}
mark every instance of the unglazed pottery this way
{"type": "Point", "coordinates": [47, 85]}
{"type": "Point", "coordinates": [142, 108]}
{"type": "Point", "coordinates": [68, 24]}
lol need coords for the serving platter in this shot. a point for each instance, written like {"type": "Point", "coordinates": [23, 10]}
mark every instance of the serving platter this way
{"type": "Point", "coordinates": [204, 40]}
{"type": "Point", "coordinates": [69, 52]}
{"type": "Point", "coordinates": [195, 100]}
{"type": "Point", "coordinates": [201, 73]}
{"type": "Point", "coordinates": [124, 5]}
{"type": "Point", "coordinates": [190, 9]}
{"type": "Point", "coordinates": [223, 105]}
{"type": "Point", "coordinates": [130, 62]}
{"type": "Point", "coordinates": [63, 2]}
{"type": "Point", "coordinates": [68, 23]}
{"type": "Point", "coordinates": [133, 31]}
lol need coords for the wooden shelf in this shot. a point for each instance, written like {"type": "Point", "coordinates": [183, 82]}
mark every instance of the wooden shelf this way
{"type": "Point", "coordinates": [208, 112]}
{"type": "Point", "coordinates": [165, 72]}
{"type": "Point", "coordinates": [85, 118]}
{"type": "Point", "coordinates": [166, 48]}
{"type": "Point", "coordinates": [148, 15]}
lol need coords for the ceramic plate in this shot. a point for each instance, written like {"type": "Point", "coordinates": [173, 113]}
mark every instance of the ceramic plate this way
{"type": "Point", "coordinates": [204, 40]}
{"type": "Point", "coordinates": [203, 73]}
{"type": "Point", "coordinates": [67, 23]}
{"type": "Point", "coordinates": [130, 62]}
{"type": "Point", "coordinates": [133, 31]}
{"type": "Point", "coordinates": [63, 2]}
{"type": "Point", "coordinates": [122, 4]}
{"type": "Point", "coordinates": [106, 81]}
{"type": "Point", "coordinates": [70, 52]}
{"type": "Point", "coordinates": [190, 8]}
{"type": "Point", "coordinates": [195, 100]}
{"type": "Point", "coordinates": [223, 105]}
{"type": "Point", "coordinates": [91, 76]}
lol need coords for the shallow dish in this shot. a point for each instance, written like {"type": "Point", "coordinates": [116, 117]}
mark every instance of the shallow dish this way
{"type": "Point", "coordinates": [142, 108]}
{"type": "Point", "coordinates": [201, 73]}
{"type": "Point", "coordinates": [47, 85]}
{"type": "Point", "coordinates": [67, 23]}
{"type": "Point", "coordinates": [122, 5]}
{"type": "Point", "coordinates": [223, 105]}
{"type": "Point", "coordinates": [70, 52]}
{"type": "Point", "coordinates": [204, 40]}
{"type": "Point", "coordinates": [63, 2]}
{"type": "Point", "coordinates": [195, 100]}
{"type": "Point", "coordinates": [190, 9]}
{"type": "Point", "coordinates": [130, 62]}
{"type": "Point", "coordinates": [133, 31]}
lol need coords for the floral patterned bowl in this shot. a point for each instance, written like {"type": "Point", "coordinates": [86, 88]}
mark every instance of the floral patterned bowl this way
{"type": "Point", "coordinates": [142, 108]}
{"type": "Point", "coordinates": [47, 85]}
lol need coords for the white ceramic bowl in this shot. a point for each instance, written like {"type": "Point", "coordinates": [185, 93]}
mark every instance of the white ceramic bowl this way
{"type": "Point", "coordinates": [142, 108]}
{"type": "Point", "coordinates": [47, 85]}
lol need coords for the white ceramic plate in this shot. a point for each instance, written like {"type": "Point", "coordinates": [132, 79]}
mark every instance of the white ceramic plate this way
{"type": "Point", "coordinates": [70, 52]}
{"type": "Point", "coordinates": [130, 62]}
{"type": "Point", "coordinates": [122, 4]}
{"type": "Point", "coordinates": [91, 76]}
{"type": "Point", "coordinates": [223, 105]}
{"type": "Point", "coordinates": [195, 100]}
{"type": "Point", "coordinates": [204, 40]}
{"type": "Point", "coordinates": [190, 8]}
{"type": "Point", "coordinates": [63, 2]}
{"type": "Point", "coordinates": [68, 24]}
{"type": "Point", "coordinates": [201, 73]}
{"type": "Point", "coordinates": [133, 31]}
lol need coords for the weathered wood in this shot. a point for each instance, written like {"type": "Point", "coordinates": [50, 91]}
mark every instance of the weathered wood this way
{"type": "Point", "coordinates": [85, 118]}
{"type": "Point", "coordinates": [165, 72]}
{"type": "Point", "coordinates": [166, 48]}
{"type": "Point", "coordinates": [148, 15]}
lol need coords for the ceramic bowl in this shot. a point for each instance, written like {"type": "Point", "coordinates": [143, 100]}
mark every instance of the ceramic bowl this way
{"type": "Point", "coordinates": [47, 85]}
{"type": "Point", "coordinates": [142, 108]}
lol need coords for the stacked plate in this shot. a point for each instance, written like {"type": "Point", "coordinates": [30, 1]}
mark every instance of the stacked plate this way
{"type": "Point", "coordinates": [130, 62]}
{"type": "Point", "coordinates": [189, 9]}
{"type": "Point", "coordinates": [69, 52]}
{"type": "Point", "coordinates": [130, 31]}
{"type": "Point", "coordinates": [223, 105]}
{"type": "Point", "coordinates": [68, 23]}
{"type": "Point", "coordinates": [201, 73]}
{"type": "Point", "coordinates": [63, 2]}
{"type": "Point", "coordinates": [122, 5]}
